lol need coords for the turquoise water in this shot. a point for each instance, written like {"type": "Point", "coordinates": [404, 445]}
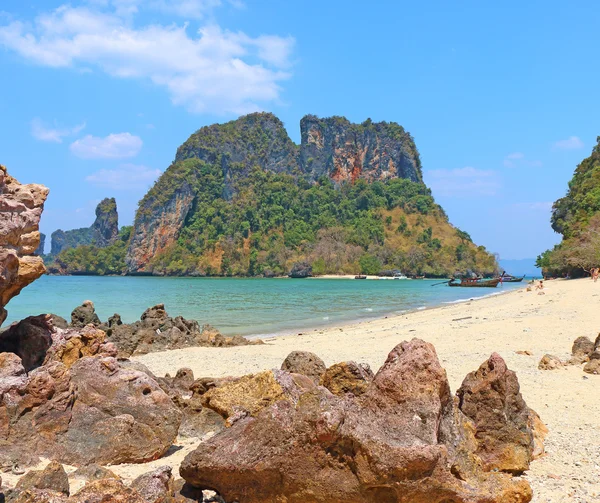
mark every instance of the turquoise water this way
{"type": "Point", "coordinates": [242, 306]}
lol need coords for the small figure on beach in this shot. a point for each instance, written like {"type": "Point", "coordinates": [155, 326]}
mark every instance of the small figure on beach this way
{"type": "Point", "coordinates": [540, 285]}
{"type": "Point", "coordinates": [595, 272]}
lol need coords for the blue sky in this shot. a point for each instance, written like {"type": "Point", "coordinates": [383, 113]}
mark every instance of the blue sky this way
{"type": "Point", "coordinates": [502, 99]}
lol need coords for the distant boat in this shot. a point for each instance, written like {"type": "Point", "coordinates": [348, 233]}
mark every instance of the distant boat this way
{"type": "Point", "coordinates": [507, 278]}
{"type": "Point", "coordinates": [360, 276]}
{"type": "Point", "coordinates": [400, 276]}
{"type": "Point", "coordinates": [475, 282]}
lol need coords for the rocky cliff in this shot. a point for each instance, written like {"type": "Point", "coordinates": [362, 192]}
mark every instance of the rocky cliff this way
{"type": "Point", "coordinates": [41, 247]}
{"type": "Point", "coordinates": [103, 232]}
{"type": "Point", "coordinates": [345, 152]}
{"type": "Point", "coordinates": [217, 161]}
{"type": "Point", "coordinates": [20, 211]}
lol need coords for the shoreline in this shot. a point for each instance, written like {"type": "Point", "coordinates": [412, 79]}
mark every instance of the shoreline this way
{"type": "Point", "coordinates": [464, 335]}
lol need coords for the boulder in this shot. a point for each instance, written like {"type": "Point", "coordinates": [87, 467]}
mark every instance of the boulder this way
{"type": "Point", "coordinates": [347, 377]}
{"type": "Point", "coordinates": [84, 315]}
{"type": "Point", "coordinates": [592, 367]}
{"type": "Point", "coordinates": [583, 347]}
{"type": "Point", "coordinates": [301, 270]}
{"type": "Point", "coordinates": [21, 207]}
{"type": "Point", "coordinates": [155, 486]}
{"type": "Point", "coordinates": [491, 398]}
{"type": "Point", "coordinates": [114, 320]}
{"type": "Point", "coordinates": [53, 478]}
{"type": "Point", "coordinates": [550, 362]}
{"type": "Point", "coordinates": [305, 363]}
{"type": "Point", "coordinates": [30, 339]}
{"type": "Point", "coordinates": [94, 472]}
{"type": "Point", "coordinates": [403, 439]}
{"type": "Point", "coordinates": [106, 491]}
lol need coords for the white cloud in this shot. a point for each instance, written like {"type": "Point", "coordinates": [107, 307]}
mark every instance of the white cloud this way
{"type": "Point", "coordinates": [53, 134]}
{"type": "Point", "coordinates": [210, 70]}
{"type": "Point", "coordinates": [126, 177]}
{"type": "Point", "coordinates": [518, 159]}
{"type": "Point", "coordinates": [571, 143]}
{"type": "Point", "coordinates": [113, 146]}
{"type": "Point", "coordinates": [463, 181]}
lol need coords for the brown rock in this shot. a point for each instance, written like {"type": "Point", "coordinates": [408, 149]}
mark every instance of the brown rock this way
{"type": "Point", "coordinates": [490, 397]}
{"type": "Point", "coordinates": [305, 363]}
{"type": "Point", "coordinates": [30, 339]}
{"type": "Point", "coordinates": [347, 377]}
{"type": "Point", "coordinates": [94, 472]}
{"type": "Point", "coordinates": [106, 491]}
{"type": "Point", "coordinates": [582, 347]}
{"type": "Point", "coordinates": [21, 207]}
{"type": "Point", "coordinates": [550, 362]}
{"type": "Point", "coordinates": [401, 440]}
{"type": "Point", "coordinates": [592, 367]}
{"type": "Point", "coordinates": [155, 486]}
{"type": "Point", "coordinates": [53, 478]}
{"type": "Point", "coordinates": [84, 315]}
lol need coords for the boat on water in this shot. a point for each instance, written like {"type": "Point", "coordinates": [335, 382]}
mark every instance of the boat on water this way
{"type": "Point", "coordinates": [474, 282]}
{"type": "Point", "coordinates": [360, 276]}
{"type": "Point", "coordinates": [400, 276]}
{"type": "Point", "coordinates": [507, 278]}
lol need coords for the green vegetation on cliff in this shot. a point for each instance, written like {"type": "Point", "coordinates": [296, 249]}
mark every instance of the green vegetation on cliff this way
{"type": "Point", "coordinates": [577, 217]}
{"type": "Point", "coordinates": [93, 260]}
{"type": "Point", "coordinates": [274, 220]}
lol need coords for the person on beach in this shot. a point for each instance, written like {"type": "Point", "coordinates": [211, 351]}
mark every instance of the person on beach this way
{"type": "Point", "coordinates": [540, 285]}
{"type": "Point", "coordinates": [595, 272]}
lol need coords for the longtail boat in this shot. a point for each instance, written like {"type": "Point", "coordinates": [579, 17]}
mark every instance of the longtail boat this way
{"type": "Point", "coordinates": [474, 282]}
{"type": "Point", "coordinates": [507, 278]}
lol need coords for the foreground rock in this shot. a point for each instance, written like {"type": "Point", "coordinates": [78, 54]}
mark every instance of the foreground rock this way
{"type": "Point", "coordinates": [156, 331]}
{"type": "Point", "coordinates": [305, 363]}
{"type": "Point", "coordinates": [20, 211]}
{"type": "Point", "coordinates": [403, 440]}
{"type": "Point", "coordinates": [347, 377]}
{"type": "Point", "coordinates": [80, 406]}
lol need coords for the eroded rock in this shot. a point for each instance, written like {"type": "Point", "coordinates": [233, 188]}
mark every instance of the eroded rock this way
{"type": "Point", "coordinates": [305, 363]}
{"type": "Point", "coordinates": [347, 377]}
{"type": "Point", "coordinates": [403, 439]}
{"type": "Point", "coordinates": [550, 362]}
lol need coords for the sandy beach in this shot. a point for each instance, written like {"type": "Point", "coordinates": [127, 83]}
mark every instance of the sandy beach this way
{"type": "Point", "coordinates": [464, 335]}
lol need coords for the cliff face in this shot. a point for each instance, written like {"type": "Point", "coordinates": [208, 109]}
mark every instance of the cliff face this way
{"type": "Point", "coordinates": [40, 248]}
{"type": "Point", "coordinates": [103, 232]}
{"type": "Point", "coordinates": [346, 152]}
{"type": "Point", "coordinates": [217, 162]}
{"type": "Point", "coordinates": [20, 211]}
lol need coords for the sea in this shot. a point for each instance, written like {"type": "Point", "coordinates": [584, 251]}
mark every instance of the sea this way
{"type": "Point", "coordinates": [246, 306]}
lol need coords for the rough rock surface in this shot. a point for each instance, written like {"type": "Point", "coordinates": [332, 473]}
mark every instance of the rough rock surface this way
{"type": "Point", "coordinates": [157, 331]}
{"type": "Point", "coordinates": [301, 270]}
{"type": "Point", "coordinates": [332, 147]}
{"type": "Point", "coordinates": [305, 363]}
{"type": "Point", "coordinates": [347, 377]}
{"type": "Point", "coordinates": [20, 211]}
{"type": "Point", "coordinates": [592, 367]}
{"type": "Point", "coordinates": [103, 232]}
{"type": "Point", "coordinates": [81, 406]}
{"type": "Point", "coordinates": [582, 347]}
{"type": "Point", "coordinates": [403, 440]}
{"type": "Point", "coordinates": [491, 398]}
{"type": "Point", "coordinates": [84, 315]}
{"type": "Point", "coordinates": [550, 362]}
{"type": "Point", "coordinates": [53, 478]}
{"type": "Point", "coordinates": [155, 486]}
{"type": "Point", "coordinates": [42, 245]}
{"type": "Point", "coordinates": [250, 394]}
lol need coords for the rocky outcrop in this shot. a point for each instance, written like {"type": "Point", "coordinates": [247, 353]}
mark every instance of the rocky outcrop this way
{"type": "Point", "coordinates": [53, 478]}
{"type": "Point", "coordinates": [345, 152]}
{"type": "Point", "coordinates": [216, 160]}
{"type": "Point", "coordinates": [550, 362]}
{"type": "Point", "coordinates": [403, 439]}
{"type": "Point", "coordinates": [305, 363]}
{"type": "Point", "coordinates": [79, 405]}
{"type": "Point", "coordinates": [301, 270]}
{"type": "Point", "coordinates": [491, 398]}
{"type": "Point", "coordinates": [156, 331]}
{"type": "Point", "coordinates": [102, 233]}
{"type": "Point", "coordinates": [20, 211]}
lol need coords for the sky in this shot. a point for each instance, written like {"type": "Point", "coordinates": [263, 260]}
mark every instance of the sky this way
{"type": "Point", "coordinates": [501, 98]}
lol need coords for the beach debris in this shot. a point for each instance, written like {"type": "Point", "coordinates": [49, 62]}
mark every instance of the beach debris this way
{"type": "Point", "coordinates": [464, 318]}
{"type": "Point", "coordinates": [403, 439]}
{"type": "Point", "coordinates": [305, 363]}
{"type": "Point", "coordinates": [347, 377]}
{"type": "Point", "coordinates": [524, 352]}
{"type": "Point", "coordinates": [21, 207]}
{"type": "Point", "coordinates": [550, 362]}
